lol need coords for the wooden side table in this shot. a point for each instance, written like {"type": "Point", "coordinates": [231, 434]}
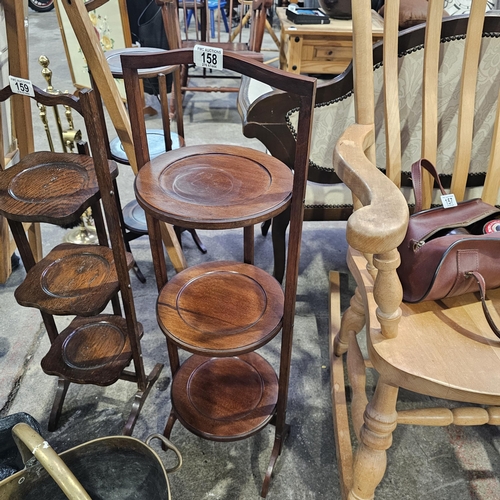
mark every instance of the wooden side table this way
{"type": "Point", "coordinates": [319, 48]}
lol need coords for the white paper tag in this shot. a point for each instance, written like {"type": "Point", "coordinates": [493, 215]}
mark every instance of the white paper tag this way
{"type": "Point", "coordinates": [448, 200]}
{"type": "Point", "coordinates": [207, 57]}
{"type": "Point", "coordinates": [21, 86]}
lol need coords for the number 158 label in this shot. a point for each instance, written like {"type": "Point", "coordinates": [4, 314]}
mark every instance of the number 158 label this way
{"type": "Point", "coordinates": [21, 86]}
{"type": "Point", "coordinates": [207, 57]}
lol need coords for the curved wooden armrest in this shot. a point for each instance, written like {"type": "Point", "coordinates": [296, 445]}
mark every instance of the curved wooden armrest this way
{"type": "Point", "coordinates": [380, 225]}
{"type": "Point", "coordinates": [246, 101]}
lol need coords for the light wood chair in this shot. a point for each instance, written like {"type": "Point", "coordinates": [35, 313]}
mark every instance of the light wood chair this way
{"type": "Point", "coordinates": [441, 349]}
{"type": "Point", "coordinates": [230, 40]}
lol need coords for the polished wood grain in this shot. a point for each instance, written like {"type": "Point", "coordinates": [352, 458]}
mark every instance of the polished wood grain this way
{"type": "Point", "coordinates": [443, 349]}
{"type": "Point", "coordinates": [243, 403]}
{"type": "Point", "coordinates": [90, 351]}
{"type": "Point", "coordinates": [214, 187]}
{"type": "Point", "coordinates": [201, 310]}
{"type": "Point", "coordinates": [71, 279]}
{"type": "Point", "coordinates": [49, 187]}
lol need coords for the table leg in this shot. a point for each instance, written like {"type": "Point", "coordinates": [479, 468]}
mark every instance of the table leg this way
{"type": "Point", "coordinates": [294, 54]}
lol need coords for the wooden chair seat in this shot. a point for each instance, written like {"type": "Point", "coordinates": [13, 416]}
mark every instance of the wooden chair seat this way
{"type": "Point", "coordinates": [189, 308]}
{"type": "Point", "coordinates": [71, 280]}
{"type": "Point", "coordinates": [90, 351]}
{"type": "Point", "coordinates": [50, 187]}
{"type": "Point", "coordinates": [213, 187]}
{"type": "Point", "coordinates": [456, 326]}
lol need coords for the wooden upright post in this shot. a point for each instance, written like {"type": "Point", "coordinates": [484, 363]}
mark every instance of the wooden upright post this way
{"type": "Point", "coordinates": [22, 126]}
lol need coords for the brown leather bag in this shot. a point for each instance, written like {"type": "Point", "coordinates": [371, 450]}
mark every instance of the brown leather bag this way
{"type": "Point", "coordinates": [445, 252]}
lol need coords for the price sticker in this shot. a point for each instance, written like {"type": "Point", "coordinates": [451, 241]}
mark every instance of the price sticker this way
{"type": "Point", "coordinates": [207, 57]}
{"type": "Point", "coordinates": [21, 86]}
{"type": "Point", "coordinates": [448, 200]}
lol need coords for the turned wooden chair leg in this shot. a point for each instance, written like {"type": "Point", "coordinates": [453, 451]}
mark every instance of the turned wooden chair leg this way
{"type": "Point", "coordinates": [353, 320]}
{"type": "Point", "coordinates": [376, 437]}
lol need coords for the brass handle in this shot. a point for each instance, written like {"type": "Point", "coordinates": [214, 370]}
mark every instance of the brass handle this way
{"type": "Point", "coordinates": [167, 444]}
{"type": "Point", "coordinates": [30, 443]}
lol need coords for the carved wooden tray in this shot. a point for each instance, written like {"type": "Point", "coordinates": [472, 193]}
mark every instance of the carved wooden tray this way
{"type": "Point", "coordinates": [214, 187]}
{"type": "Point", "coordinates": [49, 187]}
{"type": "Point", "coordinates": [71, 280]}
{"type": "Point", "coordinates": [225, 399]}
{"type": "Point", "coordinates": [221, 308]}
{"type": "Point", "coordinates": [90, 351]}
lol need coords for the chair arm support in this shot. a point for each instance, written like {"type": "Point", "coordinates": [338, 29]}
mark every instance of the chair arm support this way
{"type": "Point", "coordinates": [264, 118]}
{"type": "Point", "coordinates": [379, 226]}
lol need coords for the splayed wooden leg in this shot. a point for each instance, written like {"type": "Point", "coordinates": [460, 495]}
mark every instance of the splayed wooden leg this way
{"type": "Point", "coordinates": [140, 398]}
{"type": "Point", "coordinates": [62, 389]}
{"type": "Point", "coordinates": [170, 423]}
{"type": "Point", "coordinates": [278, 446]}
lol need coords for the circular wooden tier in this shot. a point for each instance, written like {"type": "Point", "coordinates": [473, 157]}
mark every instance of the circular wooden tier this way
{"type": "Point", "coordinates": [90, 351]}
{"type": "Point", "coordinates": [134, 217]}
{"type": "Point", "coordinates": [221, 308]}
{"type": "Point", "coordinates": [49, 187]}
{"type": "Point", "coordinates": [71, 280]}
{"type": "Point", "coordinates": [214, 187]}
{"type": "Point", "coordinates": [225, 399]}
{"type": "Point", "coordinates": [156, 145]}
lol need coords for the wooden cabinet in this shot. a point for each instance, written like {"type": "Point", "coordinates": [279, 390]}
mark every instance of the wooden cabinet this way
{"type": "Point", "coordinates": [319, 48]}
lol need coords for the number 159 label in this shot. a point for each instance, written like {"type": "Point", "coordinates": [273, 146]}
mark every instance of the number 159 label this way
{"type": "Point", "coordinates": [21, 86]}
{"type": "Point", "coordinates": [207, 57]}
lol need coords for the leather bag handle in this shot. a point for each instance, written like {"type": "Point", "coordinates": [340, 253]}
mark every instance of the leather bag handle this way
{"type": "Point", "coordinates": [416, 177]}
{"type": "Point", "coordinates": [482, 292]}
